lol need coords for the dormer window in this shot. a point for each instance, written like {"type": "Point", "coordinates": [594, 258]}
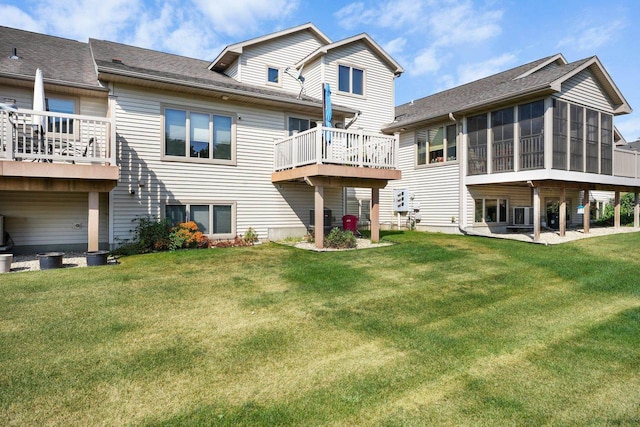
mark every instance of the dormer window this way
{"type": "Point", "coordinates": [273, 75]}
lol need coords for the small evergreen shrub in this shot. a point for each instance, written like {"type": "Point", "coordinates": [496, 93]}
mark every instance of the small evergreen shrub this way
{"type": "Point", "coordinates": [338, 239]}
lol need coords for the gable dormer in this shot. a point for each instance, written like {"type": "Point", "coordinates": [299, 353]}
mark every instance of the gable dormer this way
{"type": "Point", "coordinates": [264, 61]}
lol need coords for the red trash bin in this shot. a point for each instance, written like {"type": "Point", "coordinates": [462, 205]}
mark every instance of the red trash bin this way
{"type": "Point", "coordinates": [350, 223]}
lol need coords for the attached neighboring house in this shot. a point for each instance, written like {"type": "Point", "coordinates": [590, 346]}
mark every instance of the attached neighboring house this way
{"type": "Point", "coordinates": [521, 149]}
{"type": "Point", "coordinates": [232, 143]}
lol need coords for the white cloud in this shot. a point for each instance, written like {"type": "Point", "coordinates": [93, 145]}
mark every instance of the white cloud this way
{"type": "Point", "coordinates": [426, 61]}
{"type": "Point", "coordinates": [463, 23]}
{"type": "Point", "coordinates": [395, 46]}
{"type": "Point", "coordinates": [585, 37]}
{"type": "Point", "coordinates": [11, 16]}
{"type": "Point", "coordinates": [355, 14]}
{"type": "Point", "coordinates": [386, 14]}
{"type": "Point", "coordinates": [81, 19]}
{"type": "Point", "coordinates": [629, 127]}
{"type": "Point", "coordinates": [240, 17]}
{"type": "Point", "coordinates": [471, 72]}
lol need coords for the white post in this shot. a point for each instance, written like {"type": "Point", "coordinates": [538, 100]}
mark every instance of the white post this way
{"type": "Point", "coordinates": [396, 149]}
{"type": "Point", "coordinates": [536, 214]}
{"type": "Point", "coordinates": [112, 145]}
{"type": "Point", "coordinates": [360, 147]}
{"type": "Point", "coordinates": [319, 143]}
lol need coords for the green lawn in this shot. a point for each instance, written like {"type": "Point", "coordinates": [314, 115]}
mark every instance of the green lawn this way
{"type": "Point", "coordinates": [435, 330]}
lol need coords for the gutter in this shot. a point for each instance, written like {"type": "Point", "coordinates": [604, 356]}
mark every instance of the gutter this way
{"type": "Point", "coordinates": [542, 90]}
{"type": "Point", "coordinates": [30, 78]}
{"type": "Point", "coordinates": [222, 90]}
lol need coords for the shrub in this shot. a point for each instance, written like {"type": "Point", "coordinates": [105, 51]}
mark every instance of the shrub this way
{"type": "Point", "coordinates": [339, 239]}
{"type": "Point", "coordinates": [186, 235]}
{"type": "Point", "coordinates": [627, 205]}
{"type": "Point", "coordinates": [153, 234]}
{"type": "Point", "coordinates": [250, 236]}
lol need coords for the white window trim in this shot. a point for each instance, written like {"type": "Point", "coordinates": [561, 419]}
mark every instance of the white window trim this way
{"type": "Point", "coordinates": [298, 116]}
{"type": "Point", "coordinates": [187, 158]}
{"type": "Point", "coordinates": [364, 80]}
{"type": "Point", "coordinates": [211, 204]}
{"type": "Point", "coordinates": [269, 83]}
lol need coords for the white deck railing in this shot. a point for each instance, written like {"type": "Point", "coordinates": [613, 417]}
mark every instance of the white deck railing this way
{"type": "Point", "coordinates": [56, 137]}
{"type": "Point", "coordinates": [626, 163]}
{"type": "Point", "coordinates": [324, 145]}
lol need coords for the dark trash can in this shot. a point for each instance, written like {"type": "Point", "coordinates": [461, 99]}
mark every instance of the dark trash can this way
{"type": "Point", "coordinates": [95, 258]}
{"type": "Point", "coordinates": [553, 220]}
{"type": "Point", "coordinates": [50, 260]}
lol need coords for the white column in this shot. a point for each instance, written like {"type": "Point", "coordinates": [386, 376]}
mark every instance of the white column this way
{"type": "Point", "coordinates": [563, 212]}
{"type": "Point", "coordinates": [536, 214]}
{"type": "Point", "coordinates": [586, 215]}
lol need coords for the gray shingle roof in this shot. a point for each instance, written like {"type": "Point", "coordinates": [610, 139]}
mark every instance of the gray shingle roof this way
{"type": "Point", "coordinates": [483, 92]}
{"type": "Point", "coordinates": [150, 64]}
{"type": "Point", "coordinates": [62, 60]}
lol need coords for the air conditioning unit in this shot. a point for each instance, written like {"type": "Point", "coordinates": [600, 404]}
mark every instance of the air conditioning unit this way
{"type": "Point", "coordinates": [522, 215]}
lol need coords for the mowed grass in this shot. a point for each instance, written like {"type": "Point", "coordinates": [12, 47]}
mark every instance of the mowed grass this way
{"type": "Point", "coordinates": [435, 330]}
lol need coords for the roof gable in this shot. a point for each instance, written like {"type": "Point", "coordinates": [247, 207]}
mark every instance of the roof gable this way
{"type": "Point", "coordinates": [233, 51]}
{"type": "Point", "coordinates": [364, 37]}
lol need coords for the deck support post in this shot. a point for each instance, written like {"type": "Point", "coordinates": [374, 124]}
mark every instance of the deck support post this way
{"type": "Point", "coordinates": [319, 216]}
{"type": "Point", "coordinates": [616, 221]}
{"type": "Point", "coordinates": [93, 225]}
{"type": "Point", "coordinates": [586, 212]}
{"type": "Point", "coordinates": [536, 214]}
{"type": "Point", "coordinates": [563, 212]}
{"type": "Point", "coordinates": [636, 211]}
{"type": "Point", "coordinates": [375, 215]}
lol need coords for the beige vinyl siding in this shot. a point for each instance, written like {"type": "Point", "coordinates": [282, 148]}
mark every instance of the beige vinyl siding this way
{"type": "Point", "coordinates": [435, 188]}
{"type": "Point", "coordinates": [233, 70]}
{"type": "Point", "coordinates": [584, 89]}
{"type": "Point", "coordinates": [50, 218]}
{"type": "Point", "coordinates": [377, 105]}
{"type": "Point", "coordinates": [280, 52]}
{"type": "Point", "coordinates": [259, 203]}
{"type": "Point", "coordinates": [23, 97]}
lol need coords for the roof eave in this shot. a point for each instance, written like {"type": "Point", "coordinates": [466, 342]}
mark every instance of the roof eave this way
{"type": "Point", "coordinates": [111, 74]}
{"type": "Point", "coordinates": [233, 51]}
{"type": "Point", "coordinates": [541, 90]}
{"type": "Point", "coordinates": [391, 63]}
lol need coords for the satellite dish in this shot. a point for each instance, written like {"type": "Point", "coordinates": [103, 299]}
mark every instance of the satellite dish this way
{"type": "Point", "coordinates": [296, 74]}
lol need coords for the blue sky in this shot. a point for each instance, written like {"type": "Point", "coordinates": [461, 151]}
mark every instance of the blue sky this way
{"type": "Point", "coordinates": [439, 43]}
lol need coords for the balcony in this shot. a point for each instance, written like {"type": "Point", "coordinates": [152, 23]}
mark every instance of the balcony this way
{"type": "Point", "coordinates": [337, 153]}
{"type": "Point", "coordinates": [71, 148]}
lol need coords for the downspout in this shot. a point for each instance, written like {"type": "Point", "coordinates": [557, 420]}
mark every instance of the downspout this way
{"type": "Point", "coordinates": [462, 191]}
{"type": "Point", "coordinates": [353, 120]}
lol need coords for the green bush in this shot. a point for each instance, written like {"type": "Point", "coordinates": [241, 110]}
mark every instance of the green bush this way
{"type": "Point", "coordinates": [152, 234]}
{"type": "Point", "coordinates": [627, 204]}
{"type": "Point", "coordinates": [339, 239]}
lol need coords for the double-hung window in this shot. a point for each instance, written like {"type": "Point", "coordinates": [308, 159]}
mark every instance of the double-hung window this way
{"type": "Point", "coordinates": [350, 80]}
{"type": "Point", "coordinates": [198, 135]}
{"type": "Point", "coordinates": [297, 124]}
{"type": "Point", "coordinates": [213, 219]}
